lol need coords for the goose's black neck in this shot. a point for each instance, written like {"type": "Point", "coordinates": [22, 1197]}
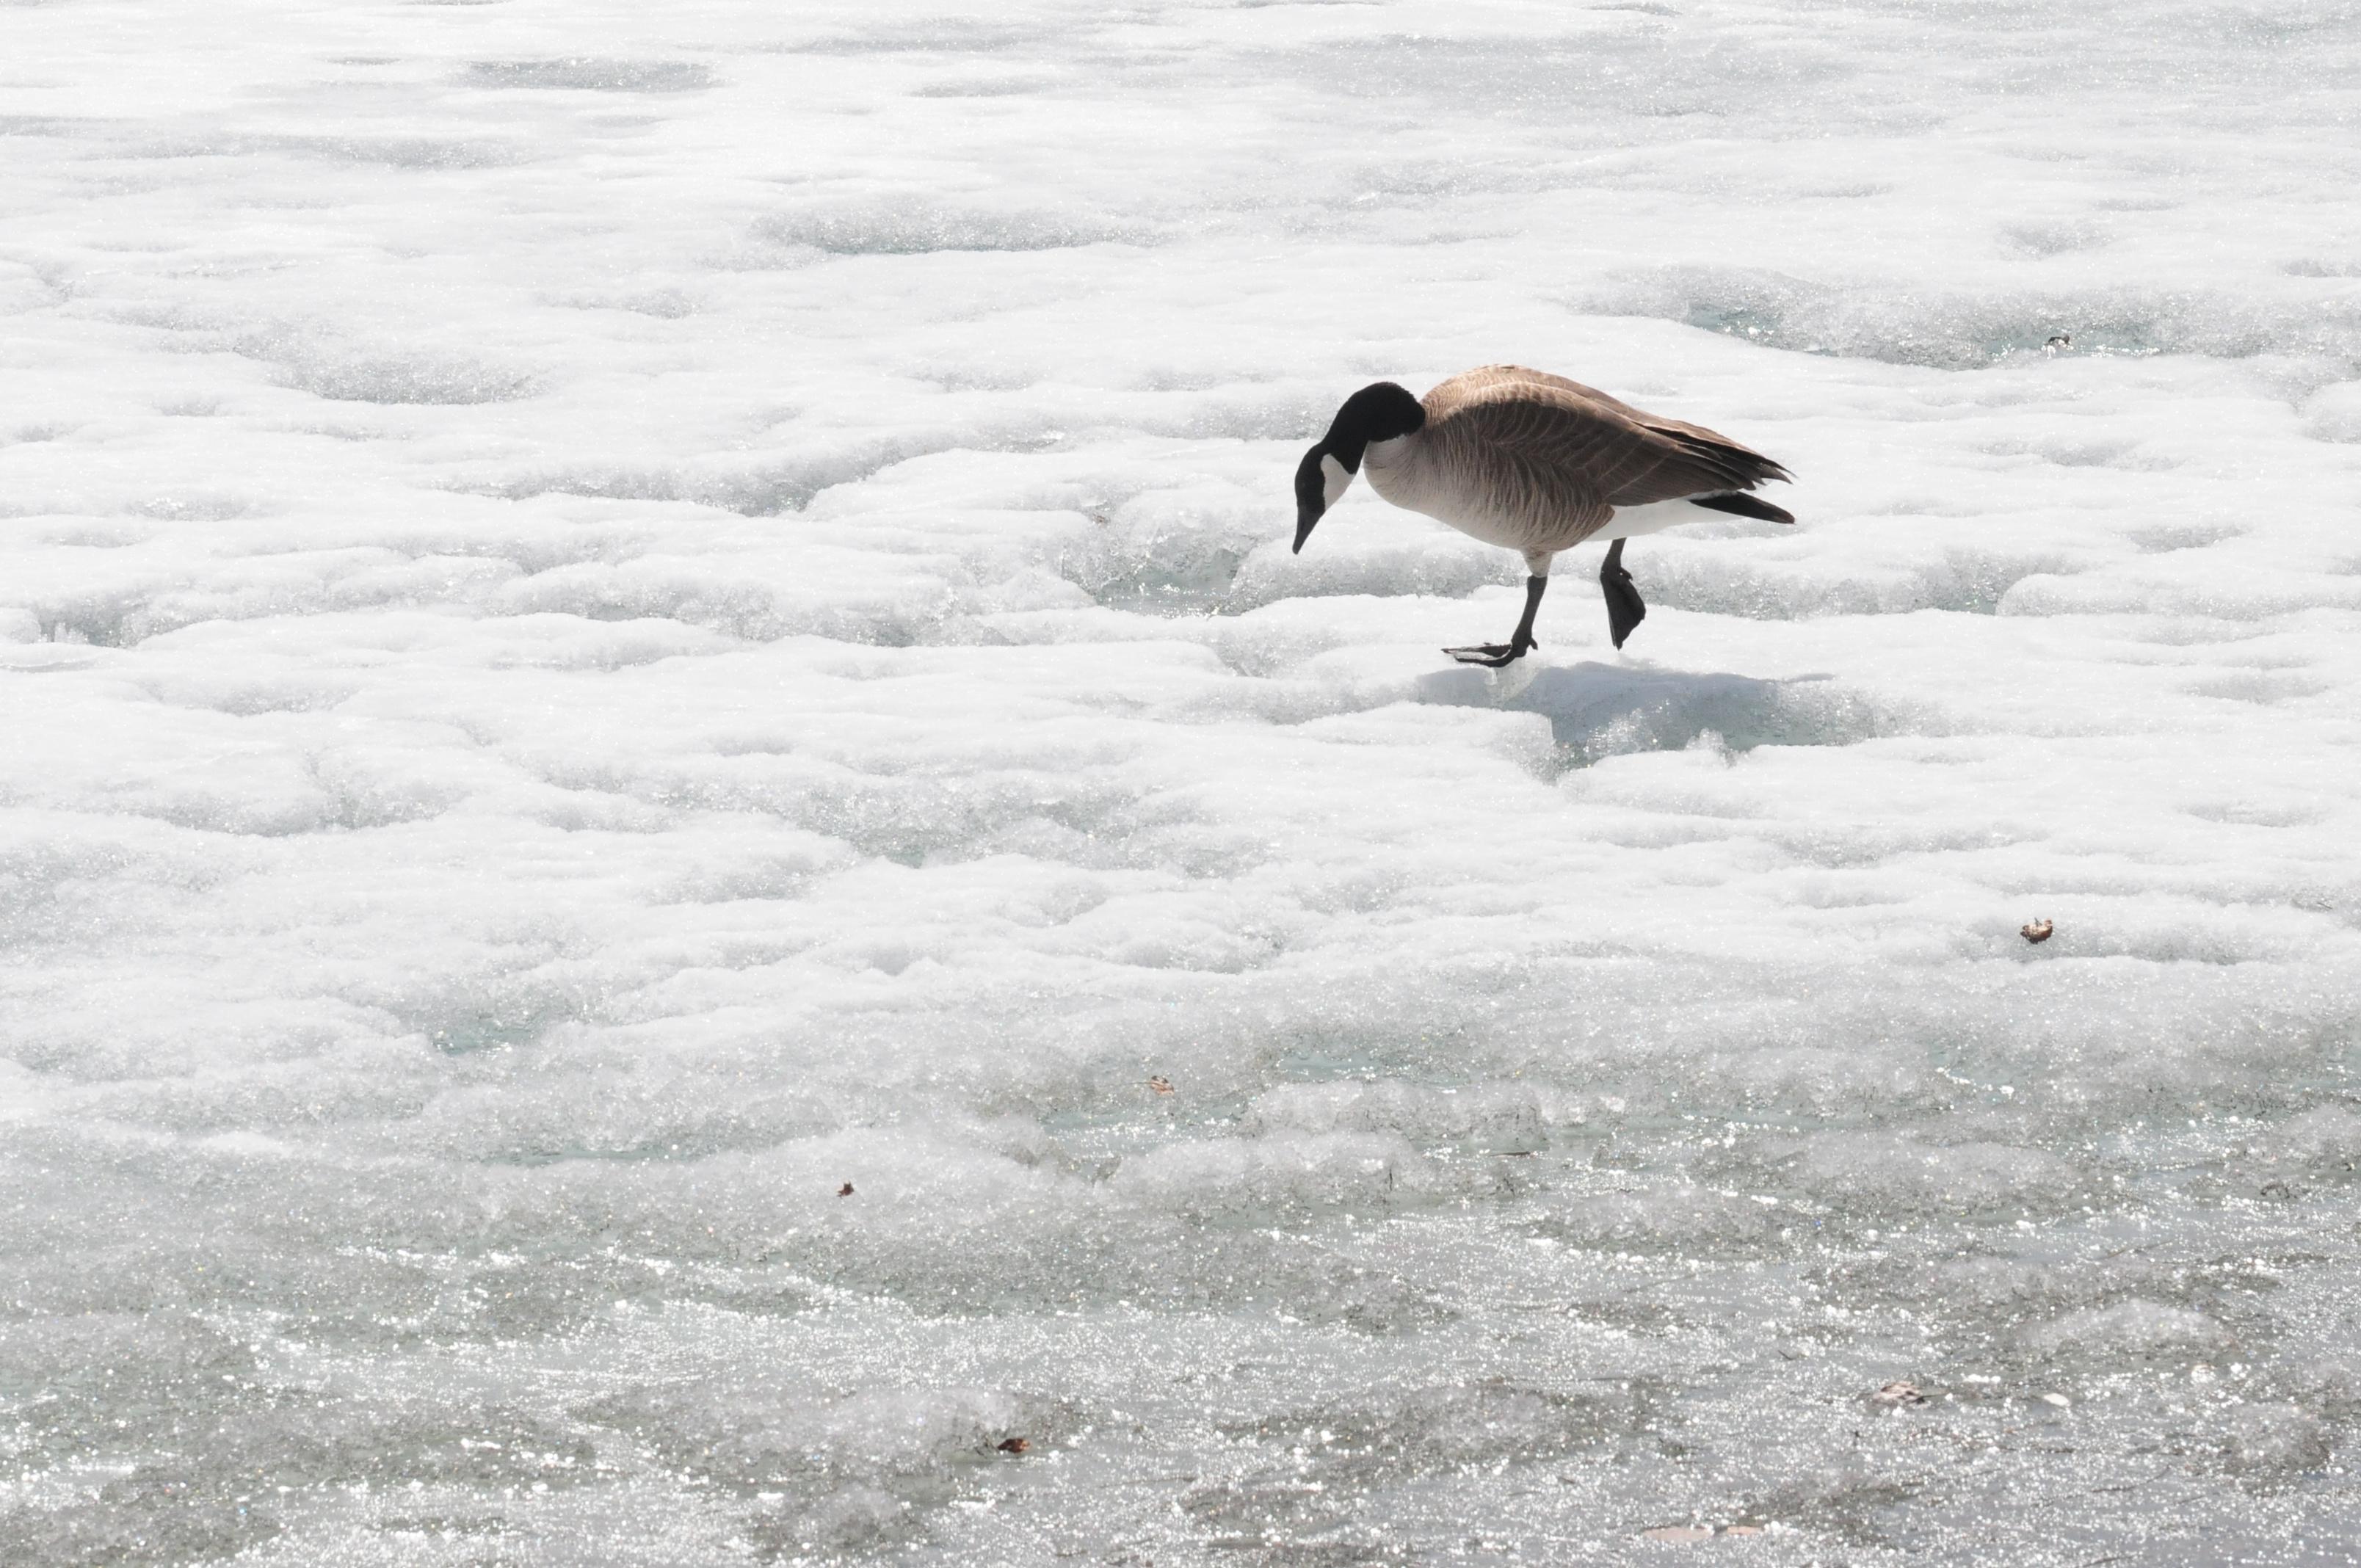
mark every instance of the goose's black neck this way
{"type": "Point", "coordinates": [1377, 413]}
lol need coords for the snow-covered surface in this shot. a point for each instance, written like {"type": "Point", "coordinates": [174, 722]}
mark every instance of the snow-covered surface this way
{"type": "Point", "coordinates": [623, 615]}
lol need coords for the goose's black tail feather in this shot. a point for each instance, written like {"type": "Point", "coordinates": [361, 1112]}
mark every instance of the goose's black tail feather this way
{"type": "Point", "coordinates": [1744, 506]}
{"type": "Point", "coordinates": [1742, 466]}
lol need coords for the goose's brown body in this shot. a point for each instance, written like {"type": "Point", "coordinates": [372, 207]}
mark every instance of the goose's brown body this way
{"type": "Point", "coordinates": [1536, 463]}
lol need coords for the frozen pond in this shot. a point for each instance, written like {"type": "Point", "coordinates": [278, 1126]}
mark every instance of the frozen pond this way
{"type": "Point", "coordinates": [686, 878]}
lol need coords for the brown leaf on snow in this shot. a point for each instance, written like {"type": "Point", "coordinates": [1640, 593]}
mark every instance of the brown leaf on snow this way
{"type": "Point", "coordinates": [2038, 932]}
{"type": "Point", "coordinates": [845, 1190]}
{"type": "Point", "coordinates": [1162, 1084]}
{"type": "Point", "coordinates": [1013, 1445]}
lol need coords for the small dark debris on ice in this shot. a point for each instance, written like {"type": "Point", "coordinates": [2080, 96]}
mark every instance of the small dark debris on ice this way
{"type": "Point", "coordinates": [1897, 1396]}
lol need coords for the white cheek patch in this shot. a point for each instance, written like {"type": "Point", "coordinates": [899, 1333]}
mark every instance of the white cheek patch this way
{"type": "Point", "coordinates": [1336, 480]}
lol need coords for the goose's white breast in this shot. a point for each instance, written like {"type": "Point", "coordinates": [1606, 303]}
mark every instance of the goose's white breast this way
{"type": "Point", "coordinates": [1404, 472]}
{"type": "Point", "coordinates": [1630, 522]}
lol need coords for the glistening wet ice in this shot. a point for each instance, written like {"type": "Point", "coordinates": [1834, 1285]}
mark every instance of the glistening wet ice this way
{"type": "Point", "coordinates": [687, 878]}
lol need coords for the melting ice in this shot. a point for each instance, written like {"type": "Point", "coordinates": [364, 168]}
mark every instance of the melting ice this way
{"type": "Point", "coordinates": [687, 878]}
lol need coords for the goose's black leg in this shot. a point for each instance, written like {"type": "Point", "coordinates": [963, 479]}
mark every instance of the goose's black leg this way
{"type": "Point", "coordinates": [1624, 609]}
{"type": "Point", "coordinates": [1520, 644]}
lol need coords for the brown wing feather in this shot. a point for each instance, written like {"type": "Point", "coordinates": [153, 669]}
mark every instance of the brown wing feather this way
{"type": "Point", "coordinates": [1582, 448]}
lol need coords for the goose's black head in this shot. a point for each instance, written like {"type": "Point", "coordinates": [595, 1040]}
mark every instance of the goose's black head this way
{"type": "Point", "coordinates": [1374, 413]}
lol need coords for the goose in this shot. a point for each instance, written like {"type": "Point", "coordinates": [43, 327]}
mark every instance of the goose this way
{"type": "Point", "coordinates": [1537, 464]}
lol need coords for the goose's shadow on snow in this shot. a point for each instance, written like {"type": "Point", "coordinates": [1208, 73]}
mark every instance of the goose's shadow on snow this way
{"type": "Point", "coordinates": [1604, 710]}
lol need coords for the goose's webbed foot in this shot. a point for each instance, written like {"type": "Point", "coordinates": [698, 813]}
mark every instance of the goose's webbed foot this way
{"type": "Point", "coordinates": [1625, 609]}
{"type": "Point", "coordinates": [1493, 654]}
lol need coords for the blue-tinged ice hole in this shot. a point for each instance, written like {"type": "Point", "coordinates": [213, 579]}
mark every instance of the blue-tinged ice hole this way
{"type": "Point", "coordinates": [1597, 711]}
{"type": "Point", "coordinates": [1194, 582]}
{"type": "Point", "coordinates": [589, 74]}
{"type": "Point", "coordinates": [116, 624]}
{"type": "Point", "coordinates": [474, 1034]}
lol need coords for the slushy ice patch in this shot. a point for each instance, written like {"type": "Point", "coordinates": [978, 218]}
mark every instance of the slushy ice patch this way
{"type": "Point", "coordinates": [1599, 710]}
{"type": "Point", "coordinates": [1498, 1117]}
{"type": "Point", "coordinates": [588, 73]}
{"type": "Point", "coordinates": [954, 37]}
{"type": "Point", "coordinates": [346, 372]}
{"type": "Point", "coordinates": [218, 1491]}
{"type": "Point", "coordinates": [425, 154]}
{"type": "Point", "coordinates": [1146, 555]}
{"type": "Point", "coordinates": [1967, 332]}
{"type": "Point", "coordinates": [858, 1472]}
{"type": "Point", "coordinates": [1722, 580]}
{"type": "Point", "coordinates": [428, 153]}
{"type": "Point", "coordinates": [699, 857]}
{"type": "Point", "coordinates": [671, 590]}
{"type": "Point", "coordinates": [917, 225]}
{"type": "Point", "coordinates": [1307, 1471]}
{"type": "Point", "coordinates": [786, 483]}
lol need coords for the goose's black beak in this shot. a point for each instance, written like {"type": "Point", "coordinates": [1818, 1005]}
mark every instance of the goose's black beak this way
{"type": "Point", "coordinates": [1310, 496]}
